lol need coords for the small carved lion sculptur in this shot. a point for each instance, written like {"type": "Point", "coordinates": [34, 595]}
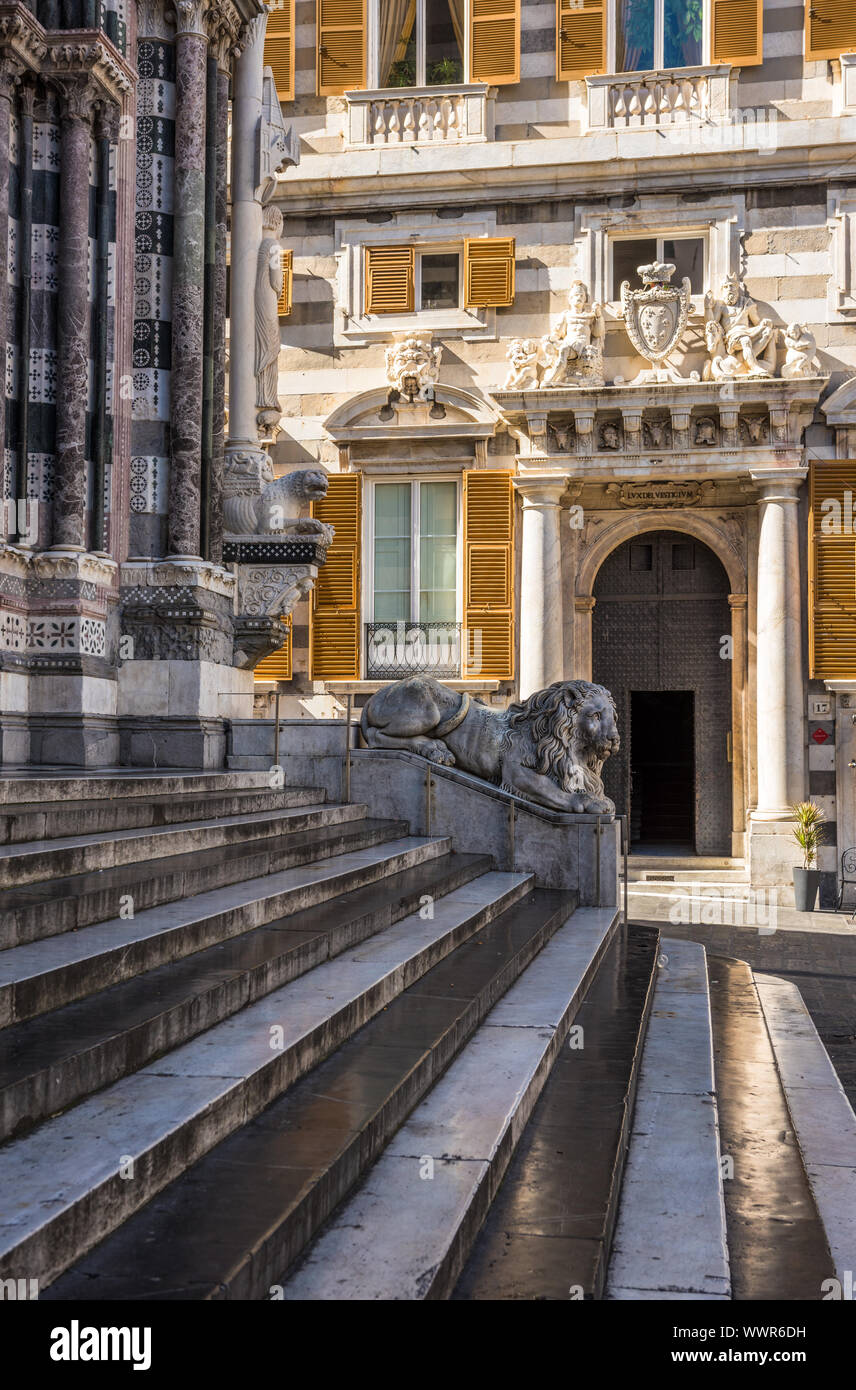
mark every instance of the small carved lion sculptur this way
{"type": "Point", "coordinates": [278, 506]}
{"type": "Point", "coordinates": [548, 749]}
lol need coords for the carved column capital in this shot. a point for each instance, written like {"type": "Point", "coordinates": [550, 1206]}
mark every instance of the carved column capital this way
{"type": "Point", "coordinates": [107, 126]}
{"type": "Point", "coordinates": [80, 99]}
{"type": "Point", "coordinates": [252, 31]}
{"type": "Point", "coordinates": [11, 69]}
{"type": "Point", "coordinates": [191, 17]}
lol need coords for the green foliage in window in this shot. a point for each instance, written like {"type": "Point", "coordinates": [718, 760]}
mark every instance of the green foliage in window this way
{"type": "Point", "coordinates": [445, 71]}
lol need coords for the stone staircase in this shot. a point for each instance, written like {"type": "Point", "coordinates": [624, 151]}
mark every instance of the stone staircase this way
{"type": "Point", "coordinates": [261, 1044]}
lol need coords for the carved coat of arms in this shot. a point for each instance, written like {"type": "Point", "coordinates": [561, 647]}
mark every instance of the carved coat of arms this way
{"type": "Point", "coordinates": [656, 317]}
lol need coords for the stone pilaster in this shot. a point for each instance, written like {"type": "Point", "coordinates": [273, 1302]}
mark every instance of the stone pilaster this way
{"type": "Point", "coordinates": [219, 312]}
{"type": "Point", "coordinates": [9, 70]}
{"type": "Point", "coordinates": [188, 293]}
{"type": "Point", "coordinates": [738, 604]}
{"type": "Point", "coordinates": [78, 107]}
{"type": "Point", "coordinates": [541, 635]}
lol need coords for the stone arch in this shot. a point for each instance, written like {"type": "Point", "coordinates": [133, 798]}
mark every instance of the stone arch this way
{"type": "Point", "coordinates": [634, 523]}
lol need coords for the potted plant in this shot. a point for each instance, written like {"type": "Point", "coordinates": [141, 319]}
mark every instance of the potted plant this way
{"type": "Point", "coordinates": [808, 833]}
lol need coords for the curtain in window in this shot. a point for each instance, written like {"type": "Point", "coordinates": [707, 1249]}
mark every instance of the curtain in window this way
{"type": "Point", "coordinates": [438, 551]}
{"type": "Point", "coordinates": [392, 552]}
{"type": "Point", "coordinates": [396, 20]}
{"type": "Point", "coordinates": [634, 47]}
{"type": "Point", "coordinates": [457, 9]}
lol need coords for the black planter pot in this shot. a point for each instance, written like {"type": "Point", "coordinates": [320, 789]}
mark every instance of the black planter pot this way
{"type": "Point", "coordinates": [806, 885]}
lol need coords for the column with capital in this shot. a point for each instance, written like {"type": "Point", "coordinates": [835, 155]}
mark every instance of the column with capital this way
{"type": "Point", "coordinates": [541, 628]}
{"type": "Point", "coordinates": [188, 288]}
{"type": "Point", "coordinates": [738, 603]}
{"type": "Point", "coordinates": [78, 107]}
{"type": "Point", "coordinates": [779, 680]}
{"type": "Point", "coordinates": [9, 71]}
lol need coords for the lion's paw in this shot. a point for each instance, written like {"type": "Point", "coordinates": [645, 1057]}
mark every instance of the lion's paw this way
{"type": "Point", "coordinates": [437, 752]}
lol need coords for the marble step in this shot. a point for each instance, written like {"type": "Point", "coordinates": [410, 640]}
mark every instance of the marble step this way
{"type": "Point", "coordinates": [406, 1232]}
{"type": "Point", "coordinates": [33, 911]}
{"type": "Point", "coordinates": [48, 974]}
{"type": "Point", "coordinates": [66, 1185]}
{"type": "Point", "coordinates": [549, 1230]}
{"type": "Point", "coordinates": [42, 785]}
{"type": "Point", "coordinates": [37, 820]}
{"type": "Point", "coordinates": [670, 1239]}
{"type": "Point", "coordinates": [54, 1060]}
{"type": "Point", "coordinates": [282, 1174]}
{"type": "Point", "coordinates": [37, 862]}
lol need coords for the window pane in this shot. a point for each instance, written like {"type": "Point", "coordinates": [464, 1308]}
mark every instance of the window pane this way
{"type": "Point", "coordinates": [444, 41]}
{"type": "Point", "coordinates": [392, 552]}
{"type": "Point", "coordinates": [397, 43]}
{"type": "Point", "coordinates": [440, 275]}
{"type": "Point", "coordinates": [634, 46]}
{"type": "Point", "coordinates": [682, 31]}
{"type": "Point", "coordinates": [688, 258]}
{"type": "Point", "coordinates": [438, 552]}
{"type": "Point", "coordinates": [626, 256]}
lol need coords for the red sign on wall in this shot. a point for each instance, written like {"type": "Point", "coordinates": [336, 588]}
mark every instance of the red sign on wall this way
{"type": "Point", "coordinates": [820, 736]}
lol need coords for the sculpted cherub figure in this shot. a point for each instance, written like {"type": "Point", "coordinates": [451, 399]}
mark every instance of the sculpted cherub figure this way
{"type": "Point", "coordinates": [739, 341]}
{"type": "Point", "coordinates": [800, 349]}
{"type": "Point", "coordinates": [524, 363]}
{"type": "Point", "coordinates": [573, 351]}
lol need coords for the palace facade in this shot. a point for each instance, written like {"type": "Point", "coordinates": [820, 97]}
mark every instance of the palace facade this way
{"type": "Point", "coordinates": [544, 464]}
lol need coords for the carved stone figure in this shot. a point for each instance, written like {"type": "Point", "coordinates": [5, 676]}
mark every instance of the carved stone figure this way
{"type": "Point", "coordinates": [705, 431]}
{"type": "Point", "coordinates": [609, 436]}
{"type": "Point", "coordinates": [753, 429]}
{"type": "Point", "coordinates": [549, 749]}
{"type": "Point", "coordinates": [524, 363]}
{"type": "Point", "coordinates": [657, 432]}
{"type": "Point", "coordinates": [268, 291]}
{"type": "Point", "coordinates": [800, 349]}
{"type": "Point", "coordinates": [739, 342]}
{"type": "Point", "coordinates": [573, 352]}
{"type": "Point", "coordinates": [656, 317]}
{"type": "Point", "coordinates": [277, 507]}
{"type": "Point", "coordinates": [414, 358]}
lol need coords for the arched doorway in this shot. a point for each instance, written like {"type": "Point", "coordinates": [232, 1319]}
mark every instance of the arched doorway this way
{"type": "Point", "coordinates": [661, 643]}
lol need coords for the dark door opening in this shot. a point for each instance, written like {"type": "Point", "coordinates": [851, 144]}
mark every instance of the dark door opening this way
{"type": "Point", "coordinates": [662, 767]}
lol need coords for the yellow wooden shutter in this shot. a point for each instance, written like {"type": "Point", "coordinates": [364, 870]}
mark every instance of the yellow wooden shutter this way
{"type": "Point", "coordinates": [580, 39]}
{"type": "Point", "coordinates": [341, 46]}
{"type": "Point", "coordinates": [284, 302]}
{"type": "Point", "coordinates": [279, 48]}
{"type": "Point", "coordinates": [832, 572]}
{"type": "Point", "coordinates": [495, 41]}
{"type": "Point", "coordinates": [390, 279]}
{"type": "Point", "coordinates": [277, 666]}
{"type": "Point", "coordinates": [738, 32]}
{"type": "Point", "coordinates": [489, 574]}
{"type": "Point", "coordinates": [334, 633]}
{"type": "Point", "coordinates": [830, 28]}
{"type": "Point", "coordinates": [489, 272]}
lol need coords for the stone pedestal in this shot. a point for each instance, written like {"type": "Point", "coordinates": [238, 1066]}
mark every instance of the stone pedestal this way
{"type": "Point", "coordinates": [541, 632]}
{"type": "Point", "coordinates": [780, 692]}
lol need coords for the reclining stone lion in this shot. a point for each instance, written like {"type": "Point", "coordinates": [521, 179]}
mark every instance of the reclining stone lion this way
{"type": "Point", "coordinates": [549, 748]}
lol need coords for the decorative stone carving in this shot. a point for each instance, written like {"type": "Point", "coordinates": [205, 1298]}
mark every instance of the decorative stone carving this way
{"type": "Point", "coordinates": [268, 291]}
{"type": "Point", "coordinates": [572, 354]}
{"type": "Point", "coordinates": [277, 144]}
{"type": "Point", "coordinates": [549, 749]}
{"type": "Point", "coordinates": [413, 367]}
{"type": "Point", "coordinates": [610, 436]}
{"type": "Point", "coordinates": [739, 342]}
{"type": "Point", "coordinates": [754, 429]}
{"type": "Point", "coordinates": [657, 433]}
{"type": "Point", "coordinates": [276, 505]}
{"type": "Point", "coordinates": [655, 317]}
{"type": "Point", "coordinates": [524, 363]}
{"type": "Point", "coordinates": [800, 349]}
{"type": "Point", "coordinates": [704, 431]}
{"type": "Point", "coordinates": [273, 591]}
{"type": "Point", "coordinates": [563, 436]}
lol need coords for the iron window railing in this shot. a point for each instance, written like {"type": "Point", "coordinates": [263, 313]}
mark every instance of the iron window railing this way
{"type": "Point", "coordinates": [398, 649]}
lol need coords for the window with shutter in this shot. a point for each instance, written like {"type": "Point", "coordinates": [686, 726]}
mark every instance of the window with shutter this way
{"type": "Point", "coordinates": [580, 39]}
{"type": "Point", "coordinates": [495, 41]}
{"type": "Point", "coordinates": [284, 301]}
{"type": "Point", "coordinates": [341, 46]}
{"type": "Point", "coordinates": [277, 666]}
{"type": "Point", "coordinates": [830, 28]}
{"type": "Point", "coordinates": [334, 631]}
{"type": "Point", "coordinates": [279, 48]}
{"type": "Point", "coordinates": [738, 32]}
{"type": "Point", "coordinates": [389, 272]}
{"type": "Point", "coordinates": [489, 272]}
{"type": "Point", "coordinates": [489, 574]}
{"type": "Point", "coordinates": [832, 571]}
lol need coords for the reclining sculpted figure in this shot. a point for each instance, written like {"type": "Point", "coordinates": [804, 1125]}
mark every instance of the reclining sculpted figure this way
{"type": "Point", "coordinates": [549, 749]}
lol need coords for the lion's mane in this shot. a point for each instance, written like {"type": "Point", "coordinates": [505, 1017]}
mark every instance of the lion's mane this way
{"type": "Point", "coordinates": [550, 720]}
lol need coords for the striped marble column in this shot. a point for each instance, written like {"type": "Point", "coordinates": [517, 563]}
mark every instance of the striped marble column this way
{"type": "Point", "coordinates": [77, 110]}
{"type": "Point", "coordinates": [188, 292]}
{"type": "Point", "coordinates": [8, 73]}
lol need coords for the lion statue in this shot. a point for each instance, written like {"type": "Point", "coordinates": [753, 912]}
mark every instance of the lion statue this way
{"type": "Point", "coordinates": [277, 507]}
{"type": "Point", "coordinates": [549, 749]}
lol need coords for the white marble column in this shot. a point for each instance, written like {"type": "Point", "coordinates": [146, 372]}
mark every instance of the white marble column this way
{"type": "Point", "coordinates": [247, 82]}
{"type": "Point", "coordinates": [780, 686]}
{"type": "Point", "coordinates": [541, 631]}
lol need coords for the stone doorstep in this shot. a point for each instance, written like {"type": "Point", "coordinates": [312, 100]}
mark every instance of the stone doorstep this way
{"type": "Point", "coordinates": [172, 1112]}
{"type": "Point", "coordinates": [821, 1114]}
{"type": "Point", "coordinates": [670, 1238]}
{"type": "Point", "coordinates": [47, 974]}
{"type": "Point", "coordinates": [399, 1237]}
{"type": "Point", "coordinates": [57, 784]}
{"type": "Point", "coordinates": [54, 1060]}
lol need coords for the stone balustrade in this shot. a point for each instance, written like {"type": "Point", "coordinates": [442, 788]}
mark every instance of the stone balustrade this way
{"type": "Point", "coordinates": [421, 115]}
{"type": "Point", "coordinates": [640, 100]}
